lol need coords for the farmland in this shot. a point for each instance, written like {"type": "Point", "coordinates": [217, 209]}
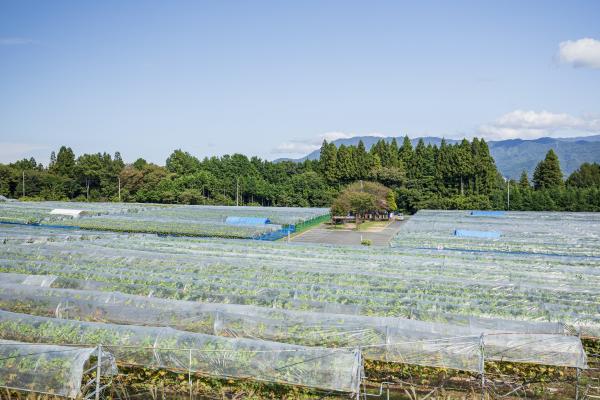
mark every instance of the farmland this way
{"type": "Point", "coordinates": [160, 219]}
{"type": "Point", "coordinates": [330, 320]}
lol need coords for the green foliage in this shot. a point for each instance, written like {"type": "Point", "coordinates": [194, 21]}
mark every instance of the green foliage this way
{"type": "Point", "coordinates": [547, 173]}
{"type": "Point", "coordinates": [181, 163]}
{"type": "Point", "coordinates": [462, 175]}
{"type": "Point", "coordinates": [587, 175]}
{"type": "Point", "coordinates": [329, 161]}
{"type": "Point", "coordinates": [149, 383]}
{"type": "Point", "coordinates": [524, 181]}
{"type": "Point", "coordinates": [361, 198]}
{"type": "Point", "coordinates": [64, 164]}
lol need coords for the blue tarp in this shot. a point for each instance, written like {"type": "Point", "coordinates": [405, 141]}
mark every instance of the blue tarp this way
{"type": "Point", "coordinates": [477, 234]}
{"type": "Point", "coordinates": [247, 221]}
{"type": "Point", "coordinates": [487, 213]}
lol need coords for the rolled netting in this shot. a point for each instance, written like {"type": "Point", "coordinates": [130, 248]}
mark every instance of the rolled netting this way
{"type": "Point", "coordinates": [380, 338]}
{"type": "Point", "coordinates": [167, 348]}
{"type": "Point", "coordinates": [48, 369]}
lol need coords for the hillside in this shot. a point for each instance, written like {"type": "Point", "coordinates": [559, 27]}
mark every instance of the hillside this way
{"type": "Point", "coordinates": [512, 156]}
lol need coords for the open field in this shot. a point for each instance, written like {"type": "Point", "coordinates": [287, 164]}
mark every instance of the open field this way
{"type": "Point", "coordinates": [327, 319]}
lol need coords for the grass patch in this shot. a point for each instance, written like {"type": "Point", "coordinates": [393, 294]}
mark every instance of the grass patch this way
{"type": "Point", "coordinates": [372, 224]}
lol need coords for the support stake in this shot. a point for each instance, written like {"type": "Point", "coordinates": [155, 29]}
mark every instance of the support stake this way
{"type": "Point", "coordinates": [98, 372]}
{"type": "Point", "coordinates": [578, 373]}
{"type": "Point", "coordinates": [190, 375]}
{"type": "Point", "coordinates": [482, 366]}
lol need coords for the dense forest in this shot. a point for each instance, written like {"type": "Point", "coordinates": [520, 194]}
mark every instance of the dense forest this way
{"type": "Point", "coordinates": [459, 176]}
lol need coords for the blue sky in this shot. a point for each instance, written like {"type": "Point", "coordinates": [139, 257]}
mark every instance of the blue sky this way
{"type": "Point", "coordinates": [274, 78]}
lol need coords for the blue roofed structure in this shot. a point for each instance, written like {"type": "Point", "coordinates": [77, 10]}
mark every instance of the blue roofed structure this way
{"type": "Point", "coordinates": [253, 221]}
{"type": "Point", "coordinates": [477, 234]}
{"type": "Point", "coordinates": [486, 213]}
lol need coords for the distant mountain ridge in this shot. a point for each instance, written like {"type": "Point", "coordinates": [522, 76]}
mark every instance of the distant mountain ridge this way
{"type": "Point", "coordinates": [512, 155]}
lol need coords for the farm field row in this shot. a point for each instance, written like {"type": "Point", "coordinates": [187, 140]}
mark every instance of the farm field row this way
{"type": "Point", "coordinates": [161, 219]}
{"type": "Point", "coordinates": [389, 283]}
{"type": "Point", "coordinates": [556, 233]}
{"type": "Point", "coordinates": [381, 338]}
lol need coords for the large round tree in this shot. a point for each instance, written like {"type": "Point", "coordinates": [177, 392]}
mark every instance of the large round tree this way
{"type": "Point", "coordinates": [362, 198]}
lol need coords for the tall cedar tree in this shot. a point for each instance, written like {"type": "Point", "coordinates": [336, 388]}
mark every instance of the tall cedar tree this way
{"type": "Point", "coordinates": [547, 173]}
{"type": "Point", "coordinates": [329, 161]}
{"type": "Point", "coordinates": [524, 181]}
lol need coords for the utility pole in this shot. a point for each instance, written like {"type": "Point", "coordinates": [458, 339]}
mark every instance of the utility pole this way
{"type": "Point", "coordinates": [237, 191]}
{"type": "Point", "coordinates": [23, 183]}
{"type": "Point", "coordinates": [119, 188]}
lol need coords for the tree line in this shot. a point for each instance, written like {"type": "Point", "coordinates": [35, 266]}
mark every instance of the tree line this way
{"type": "Point", "coordinates": [448, 176]}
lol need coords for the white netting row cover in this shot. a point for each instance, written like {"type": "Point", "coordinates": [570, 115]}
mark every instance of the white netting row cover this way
{"type": "Point", "coordinates": [50, 369]}
{"type": "Point", "coordinates": [167, 348]}
{"type": "Point", "coordinates": [380, 338]}
{"type": "Point", "coordinates": [413, 284]}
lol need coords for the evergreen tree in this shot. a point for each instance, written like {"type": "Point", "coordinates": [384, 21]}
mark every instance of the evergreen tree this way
{"type": "Point", "coordinates": [329, 161]}
{"type": "Point", "coordinates": [346, 169]}
{"type": "Point", "coordinates": [418, 163]}
{"type": "Point", "coordinates": [423, 165]}
{"type": "Point", "coordinates": [486, 174]}
{"type": "Point", "coordinates": [524, 181]}
{"type": "Point", "coordinates": [363, 161]}
{"type": "Point", "coordinates": [52, 160]}
{"type": "Point", "coordinates": [463, 165]}
{"type": "Point", "coordinates": [181, 162]}
{"type": "Point", "coordinates": [406, 155]}
{"type": "Point", "coordinates": [547, 173]}
{"type": "Point", "coordinates": [586, 176]}
{"type": "Point", "coordinates": [443, 167]}
{"type": "Point", "coordinates": [393, 154]}
{"type": "Point", "coordinates": [65, 162]}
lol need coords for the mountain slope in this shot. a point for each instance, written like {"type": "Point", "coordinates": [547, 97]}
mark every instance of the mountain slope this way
{"type": "Point", "coordinates": [513, 155]}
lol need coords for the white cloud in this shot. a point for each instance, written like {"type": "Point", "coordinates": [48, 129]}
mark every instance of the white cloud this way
{"type": "Point", "coordinates": [15, 41]}
{"type": "Point", "coordinates": [10, 152]}
{"type": "Point", "coordinates": [534, 124]}
{"type": "Point", "coordinates": [294, 147]}
{"type": "Point", "coordinates": [305, 146]}
{"type": "Point", "coordinates": [580, 53]}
